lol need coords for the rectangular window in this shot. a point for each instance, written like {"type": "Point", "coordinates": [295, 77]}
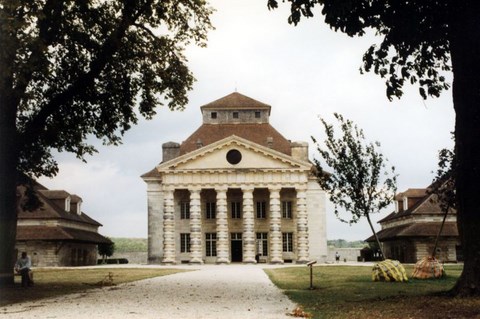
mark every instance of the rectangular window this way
{"type": "Point", "coordinates": [262, 244]}
{"type": "Point", "coordinates": [210, 210]}
{"type": "Point", "coordinates": [235, 115]}
{"type": "Point", "coordinates": [287, 209]}
{"type": "Point", "coordinates": [287, 241]}
{"type": "Point", "coordinates": [236, 236]}
{"type": "Point", "coordinates": [213, 115]}
{"type": "Point", "coordinates": [236, 210]}
{"type": "Point", "coordinates": [257, 114]}
{"type": "Point", "coordinates": [261, 209]}
{"type": "Point", "coordinates": [184, 210]}
{"type": "Point", "coordinates": [211, 244]}
{"type": "Point", "coordinates": [184, 243]}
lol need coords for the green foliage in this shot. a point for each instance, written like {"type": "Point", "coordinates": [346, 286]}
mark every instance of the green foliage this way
{"type": "Point", "coordinates": [123, 245]}
{"type": "Point", "coordinates": [76, 69]}
{"type": "Point", "coordinates": [360, 181]}
{"type": "Point", "coordinates": [415, 47]}
{"type": "Point", "coordinates": [342, 243]}
{"type": "Point", "coordinates": [106, 249]}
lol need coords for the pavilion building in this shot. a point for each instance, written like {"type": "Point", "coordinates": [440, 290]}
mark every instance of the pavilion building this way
{"type": "Point", "coordinates": [235, 191]}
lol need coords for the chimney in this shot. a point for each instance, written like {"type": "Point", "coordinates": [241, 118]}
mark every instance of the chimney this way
{"type": "Point", "coordinates": [299, 151]}
{"type": "Point", "coordinates": [170, 150]}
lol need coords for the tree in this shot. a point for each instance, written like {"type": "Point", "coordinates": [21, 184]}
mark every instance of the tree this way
{"type": "Point", "coordinates": [422, 39]}
{"type": "Point", "coordinates": [106, 250]}
{"type": "Point", "coordinates": [360, 181]}
{"type": "Point", "coordinates": [78, 69]}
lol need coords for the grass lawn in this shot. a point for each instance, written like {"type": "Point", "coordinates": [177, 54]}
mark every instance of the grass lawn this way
{"type": "Point", "coordinates": [349, 292]}
{"type": "Point", "coordinates": [56, 282]}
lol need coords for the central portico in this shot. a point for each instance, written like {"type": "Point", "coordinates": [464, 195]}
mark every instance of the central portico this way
{"type": "Point", "coordinates": [222, 199]}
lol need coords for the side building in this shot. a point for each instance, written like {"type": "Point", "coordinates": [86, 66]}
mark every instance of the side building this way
{"type": "Point", "coordinates": [57, 233]}
{"type": "Point", "coordinates": [408, 234]}
{"type": "Point", "coordinates": [235, 191]}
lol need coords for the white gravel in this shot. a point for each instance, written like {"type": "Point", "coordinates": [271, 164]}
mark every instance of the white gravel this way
{"type": "Point", "coordinates": [212, 291]}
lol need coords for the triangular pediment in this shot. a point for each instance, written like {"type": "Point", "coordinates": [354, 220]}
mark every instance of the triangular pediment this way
{"type": "Point", "coordinates": [253, 156]}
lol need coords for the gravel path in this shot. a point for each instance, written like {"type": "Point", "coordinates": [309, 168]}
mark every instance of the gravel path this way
{"type": "Point", "coordinates": [212, 291]}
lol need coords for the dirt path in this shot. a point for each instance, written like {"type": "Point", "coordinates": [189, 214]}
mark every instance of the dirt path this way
{"type": "Point", "coordinates": [231, 291]}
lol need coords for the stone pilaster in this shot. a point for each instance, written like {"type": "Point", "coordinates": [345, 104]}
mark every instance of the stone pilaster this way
{"type": "Point", "coordinates": [155, 222]}
{"type": "Point", "coordinates": [275, 227]}
{"type": "Point", "coordinates": [169, 228]}
{"type": "Point", "coordinates": [222, 227]}
{"type": "Point", "coordinates": [302, 226]}
{"type": "Point", "coordinates": [195, 228]}
{"type": "Point", "coordinates": [248, 227]}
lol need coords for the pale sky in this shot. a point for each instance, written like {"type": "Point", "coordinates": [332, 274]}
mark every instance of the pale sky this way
{"type": "Point", "coordinates": [303, 72]}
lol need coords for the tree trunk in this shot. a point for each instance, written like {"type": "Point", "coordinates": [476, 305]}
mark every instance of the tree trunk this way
{"type": "Point", "coordinates": [8, 212]}
{"type": "Point", "coordinates": [375, 235]}
{"type": "Point", "coordinates": [465, 53]}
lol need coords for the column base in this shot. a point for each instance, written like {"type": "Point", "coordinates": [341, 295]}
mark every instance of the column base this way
{"type": "Point", "coordinates": [276, 261]}
{"type": "Point", "coordinates": [196, 261]}
{"type": "Point", "coordinates": [302, 261]}
{"type": "Point", "coordinates": [249, 261]}
{"type": "Point", "coordinates": [222, 261]}
{"type": "Point", "coordinates": [169, 262]}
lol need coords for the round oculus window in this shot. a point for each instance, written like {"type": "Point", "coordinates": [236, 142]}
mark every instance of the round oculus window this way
{"type": "Point", "coordinates": [234, 157]}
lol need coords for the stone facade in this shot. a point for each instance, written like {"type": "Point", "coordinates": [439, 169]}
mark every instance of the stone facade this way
{"type": "Point", "coordinates": [57, 233]}
{"type": "Point", "coordinates": [238, 191]}
{"type": "Point", "coordinates": [409, 233]}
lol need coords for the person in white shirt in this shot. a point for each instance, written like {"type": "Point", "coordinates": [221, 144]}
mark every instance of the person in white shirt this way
{"type": "Point", "coordinates": [22, 266]}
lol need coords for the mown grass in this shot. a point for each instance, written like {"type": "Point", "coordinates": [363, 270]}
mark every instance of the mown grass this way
{"type": "Point", "coordinates": [57, 282]}
{"type": "Point", "coordinates": [349, 292]}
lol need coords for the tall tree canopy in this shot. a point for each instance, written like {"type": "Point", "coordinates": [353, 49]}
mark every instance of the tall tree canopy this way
{"type": "Point", "coordinates": [421, 40]}
{"type": "Point", "coordinates": [360, 181]}
{"type": "Point", "coordinates": [80, 68]}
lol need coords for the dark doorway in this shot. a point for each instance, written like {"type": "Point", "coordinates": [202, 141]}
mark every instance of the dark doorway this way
{"type": "Point", "coordinates": [237, 253]}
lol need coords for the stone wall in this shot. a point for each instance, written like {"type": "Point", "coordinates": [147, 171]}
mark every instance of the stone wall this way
{"type": "Point", "coordinates": [350, 254]}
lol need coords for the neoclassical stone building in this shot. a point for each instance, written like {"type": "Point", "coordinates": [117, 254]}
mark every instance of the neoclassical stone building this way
{"type": "Point", "coordinates": [235, 191]}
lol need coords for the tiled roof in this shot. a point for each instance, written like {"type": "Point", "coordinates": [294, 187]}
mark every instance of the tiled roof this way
{"type": "Point", "coordinates": [152, 173]}
{"type": "Point", "coordinates": [257, 133]}
{"type": "Point", "coordinates": [417, 229]}
{"type": "Point", "coordinates": [235, 100]}
{"type": "Point", "coordinates": [50, 210]}
{"type": "Point", "coordinates": [55, 233]}
{"type": "Point", "coordinates": [412, 193]}
{"type": "Point", "coordinates": [54, 194]}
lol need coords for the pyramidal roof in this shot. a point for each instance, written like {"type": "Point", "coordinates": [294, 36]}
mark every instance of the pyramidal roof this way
{"type": "Point", "coordinates": [235, 100]}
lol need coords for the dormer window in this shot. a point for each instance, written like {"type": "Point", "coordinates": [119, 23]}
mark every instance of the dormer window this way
{"type": "Point", "coordinates": [67, 204]}
{"type": "Point", "coordinates": [405, 203]}
{"type": "Point", "coordinates": [235, 115]}
{"type": "Point", "coordinates": [213, 115]}
{"type": "Point", "coordinates": [79, 208]}
{"type": "Point", "coordinates": [257, 114]}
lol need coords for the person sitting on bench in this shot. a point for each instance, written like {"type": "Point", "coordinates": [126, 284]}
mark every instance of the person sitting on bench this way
{"type": "Point", "coordinates": [22, 267]}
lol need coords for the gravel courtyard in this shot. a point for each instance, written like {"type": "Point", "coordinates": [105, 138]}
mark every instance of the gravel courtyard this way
{"type": "Point", "coordinates": [211, 291]}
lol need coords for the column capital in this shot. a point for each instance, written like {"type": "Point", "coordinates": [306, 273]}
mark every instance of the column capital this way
{"type": "Point", "coordinates": [221, 188]}
{"type": "Point", "coordinates": [274, 188]}
{"type": "Point", "coordinates": [247, 189]}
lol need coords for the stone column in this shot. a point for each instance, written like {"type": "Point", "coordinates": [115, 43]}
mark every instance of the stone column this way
{"type": "Point", "coordinates": [275, 227]}
{"type": "Point", "coordinates": [222, 227]}
{"type": "Point", "coordinates": [248, 227]}
{"type": "Point", "coordinates": [302, 226]}
{"type": "Point", "coordinates": [169, 228]}
{"type": "Point", "coordinates": [195, 227]}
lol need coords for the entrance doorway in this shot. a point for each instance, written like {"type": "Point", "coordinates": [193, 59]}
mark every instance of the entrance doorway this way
{"type": "Point", "coordinates": [236, 247]}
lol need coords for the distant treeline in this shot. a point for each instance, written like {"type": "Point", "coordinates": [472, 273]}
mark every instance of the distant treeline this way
{"type": "Point", "coordinates": [123, 245]}
{"type": "Point", "coordinates": [140, 244]}
{"type": "Point", "coordinates": [342, 243]}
